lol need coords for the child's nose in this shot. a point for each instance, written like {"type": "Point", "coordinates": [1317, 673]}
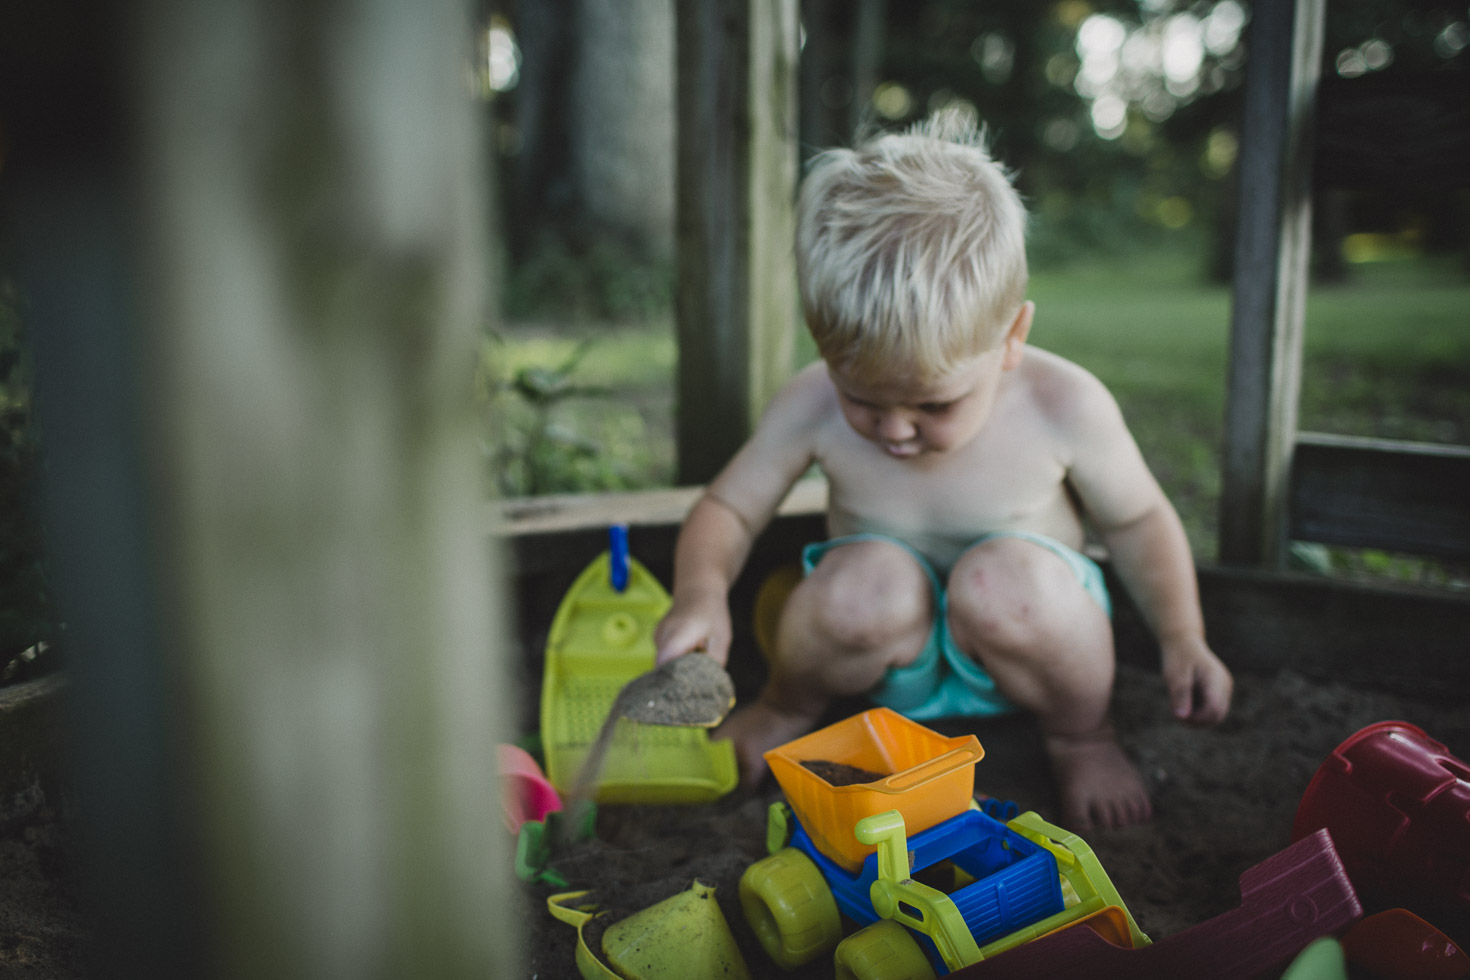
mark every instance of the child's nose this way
{"type": "Point", "coordinates": [895, 426]}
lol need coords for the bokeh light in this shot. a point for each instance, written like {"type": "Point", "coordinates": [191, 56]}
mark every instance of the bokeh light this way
{"type": "Point", "coordinates": [1153, 65]}
{"type": "Point", "coordinates": [996, 55]}
{"type": "Point", "coordinates": [892, 100]}
{"type": "Point", "coordinates": [502, 57]}
{"type": "Point", "coordinates": [1452, 40]}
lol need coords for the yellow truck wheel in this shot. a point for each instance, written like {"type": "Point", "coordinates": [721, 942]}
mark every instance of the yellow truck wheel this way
{"type": "Point", "coordinates": [884, 950]}
{"type": "Point", "coordinates": [790, 908]}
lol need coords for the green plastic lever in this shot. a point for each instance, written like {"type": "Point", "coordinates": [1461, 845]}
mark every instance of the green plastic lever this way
{"type": "Point", "coordinates": [898, 897]}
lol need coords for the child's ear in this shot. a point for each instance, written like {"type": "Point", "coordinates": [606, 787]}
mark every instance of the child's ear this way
{"type": "Point", "coordinates": [1014, 344]}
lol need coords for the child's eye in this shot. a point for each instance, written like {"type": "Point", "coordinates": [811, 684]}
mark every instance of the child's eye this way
{"type": "Point", "coordinates": [936, 408]}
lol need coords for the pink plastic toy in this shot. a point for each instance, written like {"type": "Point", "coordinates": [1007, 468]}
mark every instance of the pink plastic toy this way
{"type": "Point", "coordinates": [1286, 901]}
{"type": "Point", "coordinates": [525, 793]}
{"type": "Point", "coordinates": [1397, 804]}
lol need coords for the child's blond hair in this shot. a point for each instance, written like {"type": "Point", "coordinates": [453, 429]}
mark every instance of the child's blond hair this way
{"type": "Point", "coordinates": [910, 250]}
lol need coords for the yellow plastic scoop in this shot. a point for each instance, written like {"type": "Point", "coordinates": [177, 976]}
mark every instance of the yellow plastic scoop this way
{"type": "Point", "coordinates": [681, 938]}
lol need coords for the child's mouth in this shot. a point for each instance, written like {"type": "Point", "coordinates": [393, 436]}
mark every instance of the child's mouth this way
{"type": "Point", "coordinates": [901, 449]}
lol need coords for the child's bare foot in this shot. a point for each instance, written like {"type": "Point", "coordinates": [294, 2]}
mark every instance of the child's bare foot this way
{"type": "Point", "coordinates": [1100, 786]}
{"type": "Point", "coordinates": [756, 729]}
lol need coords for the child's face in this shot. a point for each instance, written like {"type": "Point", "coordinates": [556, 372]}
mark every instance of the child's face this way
{"type": "Point", "coordinates": [909, 420]}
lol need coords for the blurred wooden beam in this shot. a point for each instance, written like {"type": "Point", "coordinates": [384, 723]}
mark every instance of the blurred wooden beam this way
{"type": "Point", "coordinates": [255, 291]}
{"type": "Point", "coordinates": [736, 303]}
{"type": "Point", "coordinates": [1272, 247]}
{"type": "Point", "coordinates": [1375, 493]}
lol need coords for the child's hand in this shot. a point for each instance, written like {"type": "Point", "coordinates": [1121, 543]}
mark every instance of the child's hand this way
{"type": "Point", "coordinates": [1199, 685]}
{"type": "Point", "coordinates": [698, 623]}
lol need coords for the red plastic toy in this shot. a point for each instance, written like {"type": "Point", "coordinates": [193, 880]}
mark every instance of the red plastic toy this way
{"type": "Point", "coordinates": [1288, 900]}
{"type": "Point", "coordinates": [1397, 943]}
{"type": "Point", "coordinates": [1397, 804]}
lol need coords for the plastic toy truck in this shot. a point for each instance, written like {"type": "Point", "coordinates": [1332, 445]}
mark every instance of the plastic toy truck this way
{"type": "Point", "coordinates": [936, 883]}
{"type": "Point", "coordinates": [1289, 900]}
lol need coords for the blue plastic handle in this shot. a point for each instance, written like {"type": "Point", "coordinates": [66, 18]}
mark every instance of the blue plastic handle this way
{"type": "Point", "coordinates": [618, 548]}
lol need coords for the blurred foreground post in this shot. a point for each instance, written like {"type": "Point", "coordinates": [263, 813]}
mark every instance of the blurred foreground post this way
{"type": "Point", "coordinates": [255, 253]}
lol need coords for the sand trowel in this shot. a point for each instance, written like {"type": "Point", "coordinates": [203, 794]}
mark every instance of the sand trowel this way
{"type": "Point", "coordinates": [691, 691]}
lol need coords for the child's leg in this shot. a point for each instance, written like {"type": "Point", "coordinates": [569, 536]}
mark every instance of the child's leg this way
{"type": "Point", "coordinates": [865, 607]}
{"type": "Point", "coordinates": [1019, 610]}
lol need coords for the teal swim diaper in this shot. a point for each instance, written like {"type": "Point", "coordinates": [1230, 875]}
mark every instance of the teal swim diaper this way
{"type": "Point", "coordinates": [943, 682]}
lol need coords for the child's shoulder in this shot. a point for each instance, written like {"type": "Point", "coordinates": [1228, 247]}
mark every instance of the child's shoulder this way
{"type": "Point", "coordinates": [1062, 390]}
{"type": "Point", "coordinates": [809, 389]}
{"type": "Point", "coordinates": [805, 398]}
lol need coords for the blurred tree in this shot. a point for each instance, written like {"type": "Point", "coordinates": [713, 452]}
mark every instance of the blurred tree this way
{"type": "Point", "coordinates": [591, 126]}
{"type": "Point", "coordinates": [1120, 116]}
{"type": "Point", "coordinates": [839, 68]}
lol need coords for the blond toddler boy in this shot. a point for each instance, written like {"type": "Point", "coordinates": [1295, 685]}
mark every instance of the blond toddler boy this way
{"type": "Point", "coordinates": [961, 465]}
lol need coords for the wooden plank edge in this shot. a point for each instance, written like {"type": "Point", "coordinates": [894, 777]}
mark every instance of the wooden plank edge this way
{"type": "Point", "coordinates": [1402, 638]}
{"type": "Point", "coordinates": [1406, 497]}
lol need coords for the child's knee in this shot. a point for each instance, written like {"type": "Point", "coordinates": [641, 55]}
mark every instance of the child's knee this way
{"type": "Point", "coordinates": [866, 602]}
{"type": "Point", "coordinates": [1011, 594]}
{"type": "Point", "coordinates": [855, 619]}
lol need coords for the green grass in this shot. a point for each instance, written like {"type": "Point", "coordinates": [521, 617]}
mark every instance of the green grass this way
{"type": "Point", "coordinates": [1387, 354]}
{"type": "Point", "coordinates": [613, 430]}
{"type": "Point", "coordinates": [1158, 338]}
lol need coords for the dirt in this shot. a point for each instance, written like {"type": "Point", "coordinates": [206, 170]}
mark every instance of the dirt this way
{"type": "Point", "coordinates": [1225, 798]}
{"type": "Point", "coordinates": [43, 932]}
{"type": "Point", "coordinates": [690, 690]}
{"type": "Point", "coordinates": [840, 773]}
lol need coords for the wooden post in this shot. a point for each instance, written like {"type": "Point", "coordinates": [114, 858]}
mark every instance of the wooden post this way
{"type": "Point", "coordinates": [1272, 247]}
{"type": "Point", "coordinates": [841, 55]}
{"type": "Point", "coordinates": [257, 319]}
{"type": "Point", "coordinates": [736, 302]}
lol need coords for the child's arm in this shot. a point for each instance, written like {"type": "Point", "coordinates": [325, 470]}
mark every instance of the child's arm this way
{"type": "Point", "coordinates": [1148, 548]}
{"type": "Point", "coordinates": [1152, 557]}
{"type": "Point", "coordinates": [711, 550]}
{"type": "Point", "coordinates": [723, 524]}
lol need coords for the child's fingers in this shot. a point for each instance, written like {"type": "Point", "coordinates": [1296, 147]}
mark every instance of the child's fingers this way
{"type": "Point", "coordinates": [1201, 695]}
{"type": "Point", "coordinates": [1216, 689]}
{"type": "Point", "coordinates": [676, 639]}
{"type": "Point", "coordinates": [681, 638]}
{"type": "Point", "coordinates": [717, 645]}
{"type": "Point", "coordinates": [1181, 695]}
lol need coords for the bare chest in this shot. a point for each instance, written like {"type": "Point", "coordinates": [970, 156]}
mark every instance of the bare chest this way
{"type": "Point", "coordinates": [1007, 478]}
